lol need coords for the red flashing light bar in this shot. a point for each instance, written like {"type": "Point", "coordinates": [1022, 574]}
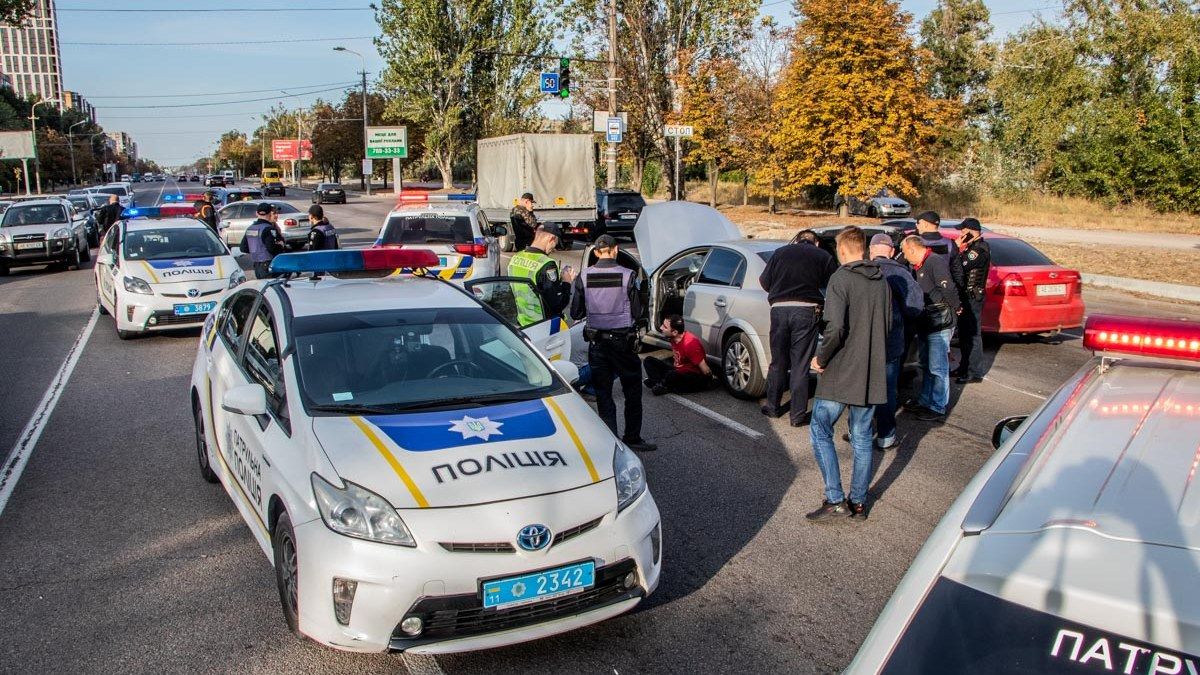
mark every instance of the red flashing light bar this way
{"type": "Point", "coordinates": [424, 197]}
{"type": "Point", "coordinates": [1171, 338]}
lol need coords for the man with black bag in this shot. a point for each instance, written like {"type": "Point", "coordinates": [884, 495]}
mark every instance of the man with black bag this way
{"type": "Point", "coordinates": [934, 328]}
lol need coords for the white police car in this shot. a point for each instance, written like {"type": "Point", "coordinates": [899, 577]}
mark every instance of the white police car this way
{"type": "Point", "coordinates": [1077, 547]}
{"type": "Point", "coordinates": [456, 231]}
{"type": "Point", "coordinates": [160, 269]}
{"type": "Point", "coordinates": [419, 476]}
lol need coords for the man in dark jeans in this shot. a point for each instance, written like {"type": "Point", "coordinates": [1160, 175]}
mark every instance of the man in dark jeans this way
{"type": "Point", "coordinates": [907, 304]}
{"type": "Point", "coordinates": [976, 258]}
{"type": "Point", "coordinates": [686, 371]}
{"type": "Point", "coordinates": [936, 326]}
{"type": "Point", "coordinates": [793, 280]}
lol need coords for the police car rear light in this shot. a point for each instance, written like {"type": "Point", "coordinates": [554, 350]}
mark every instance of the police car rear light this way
{"type": "Point", "coordinates": [1012, 284]}
{"type": "Point", "coordinates": [1171, 338]}
{"type": "Point", "coordinates": [319, 262]}
{"type": "Point", "coordinates": [473, 250]}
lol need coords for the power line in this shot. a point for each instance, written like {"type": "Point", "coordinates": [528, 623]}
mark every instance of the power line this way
{"type": "Point", "coordinates": [227, 10]}
{"type": "Point", "coordinates": [227, 93]}
{"type": "Point", "coordinates": [200, 105]}
{"type": "Point", "coordinates": [247, 43]}
{"type": "Point", "coordinates": [251, 113]}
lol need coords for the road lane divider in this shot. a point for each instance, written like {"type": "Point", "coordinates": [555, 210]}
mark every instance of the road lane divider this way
{"type": "Point", "coordinates": [715, 416]}
{"type": "Point", "coordinates": [14, 464]}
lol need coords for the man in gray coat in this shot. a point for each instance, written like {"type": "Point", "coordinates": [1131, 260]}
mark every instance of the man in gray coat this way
{"type": "Point", "coordinates": [852, 361]}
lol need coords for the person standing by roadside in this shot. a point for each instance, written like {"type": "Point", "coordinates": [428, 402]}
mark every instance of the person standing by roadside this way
{"type": "Point", "coordinates": [976, 258]}
{"type": "Point", "coordinates": [852, 361]}
{"type": "Point", "coordinates": [524, 223]}
{"type": "Point", "coordinates": [687, 370]}
{"type": "Point", "coordinates": [606, 295]}
{"type": "Point", "coordinates": [907, 304]}
{"type": "Point", "coordinates": [793, 280]}
{"type": "Point", "coordinates": [935, 327]}
{"type": "Point", "coordinates": [109, 214]}
{"type": "Point", "coordinates": [263, 240]}
{"type": "Point", "coordinates": [321, 235]}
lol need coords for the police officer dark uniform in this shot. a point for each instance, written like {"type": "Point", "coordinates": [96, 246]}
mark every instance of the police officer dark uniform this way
{"type": "Point", "coordinates": [262, 240]}
{"type": "Point", "coordinates": [205, 211]}
{"type": "Point", "coordinates": [553, 289]}
{"type": "Point", "coordinates": [976, 258]}
{"type": "Point", "coordinates": [524, 223]}
{"type": "Point", "coordinates": [606, 294]}
{"type": "Point", "coordinates": [321, 235]}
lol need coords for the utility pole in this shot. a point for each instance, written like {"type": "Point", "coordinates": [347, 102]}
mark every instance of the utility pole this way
{"type": "Point", "coordinates": [71, 146]}
{"type": "Point", "coordinates": [364, 108]}
{"type": "Point", "coordinates": [612, 88]}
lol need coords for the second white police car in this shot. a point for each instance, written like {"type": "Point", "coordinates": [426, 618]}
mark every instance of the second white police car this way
{"type": "Point", "coordinates": [420, 476]}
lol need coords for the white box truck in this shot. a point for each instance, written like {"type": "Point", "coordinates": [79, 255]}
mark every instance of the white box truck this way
{"type": "Point", "coordinates": [559, 169]}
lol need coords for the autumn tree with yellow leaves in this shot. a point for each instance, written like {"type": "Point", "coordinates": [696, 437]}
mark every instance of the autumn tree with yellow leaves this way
{"type": "Point", "coordinates": [853, 110]}
{"type": "Point", "coordinates": [709, 106]}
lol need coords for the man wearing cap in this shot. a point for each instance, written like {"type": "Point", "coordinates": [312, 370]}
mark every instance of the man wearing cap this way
{"type": "Point", "coordinates": [204, 210]}
{"type": "Point", "coordinates": [535, 264]}
{"type": "Point", "coordinates": [524, 223]}
{"type": "Point", "coordinates": [928, 224]}
{"type": "Point", "coordinates": [907, 303]}
{"type": "Point", "coordinates": [976, 258]}
{"type": "Point", "coordinates": [262, 240]}
{"type": "Point", "coordinates": [321, 235]}
{"type": "Point", "coordinates": [606, 294]}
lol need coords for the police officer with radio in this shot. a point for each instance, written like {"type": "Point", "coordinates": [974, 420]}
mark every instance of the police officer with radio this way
{"type": "Point", "coordinates": [321, 235]}
{"type": "Point", "coordinates": [263, 240]}
{"type": "Point", "coordinates": [536, 265]}
{"type": "Point", "coordinates": [606, 294]}
{"type": "Point", "coordinates": [976, 258]}
{"type": "Point", "coordinates": [205, 211]}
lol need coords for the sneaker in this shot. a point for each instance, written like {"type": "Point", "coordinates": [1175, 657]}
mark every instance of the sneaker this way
{"type": "Point", "coordinates": [912, 405]}
{"type": "Point", "coordinates": [886, 443]}
{"type": "Point", "coordinates": [803, 421]}
{"type": "Point", "coordinates": [770, 412]}
{"type": "Point", "coordinates": [927, 415]}
{"type": "Point", "coordinates": [649, 383]}
{"type": "Point", "coordinates": [857, 511]}
{"type": "Point", "coordinates": [828, 511]}
{"type": "Point", "coordinates": [659, 389]}
{"type": "Point", "coordinates": [641, 446]}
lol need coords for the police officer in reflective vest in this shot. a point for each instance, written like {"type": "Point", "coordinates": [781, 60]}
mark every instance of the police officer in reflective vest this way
{"type": "Point", "coordinates": [606, 293]}
{"type": "Point", "coordinates": [262, 240]}
{"type": "Point", "coordinates": [976, 258]}
{"type": "Point", "coordinates": [553, 290]}
{"type": "Point", "coordinates": [205, 211]}
{"type": "Point", "coordinates": [321, 235]}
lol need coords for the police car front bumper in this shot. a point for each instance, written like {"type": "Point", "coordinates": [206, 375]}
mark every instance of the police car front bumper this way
{"type": "Point", "coordinates": [396, 583]}
{"type": "Point", "coordinates": [140, 313]}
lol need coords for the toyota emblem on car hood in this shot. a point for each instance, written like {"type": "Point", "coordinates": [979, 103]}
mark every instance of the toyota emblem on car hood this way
{"type": "Point", "coordinates": [192, 292]}
{"type": "Point", "coordinates": [533, 537]}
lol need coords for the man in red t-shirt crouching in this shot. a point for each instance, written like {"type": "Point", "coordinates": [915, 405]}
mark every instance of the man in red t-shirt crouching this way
{"type": "Point", "coordinates": [687, 371]}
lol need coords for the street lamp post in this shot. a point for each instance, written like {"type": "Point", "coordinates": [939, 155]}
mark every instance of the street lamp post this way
{"type": "Point", "coordinates": [366, 178]}
{"type": "Point", "coordinates": [37, 163]}
{"type": "Point", "coordinates": [71, 146]}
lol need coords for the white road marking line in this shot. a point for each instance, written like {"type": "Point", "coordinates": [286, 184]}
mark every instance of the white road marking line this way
{"type": "Point", "coordinates": [715, 416]}
{"type": "Point", "coordinates": [1019, 391]}
{"type": "Point", "coordinates": [14, 465]}
{"type": "Point", "coordinates": [422, 664]}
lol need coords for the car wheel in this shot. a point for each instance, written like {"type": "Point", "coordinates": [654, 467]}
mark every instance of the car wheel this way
{"type": "Point", "coordinates": [740, 369]}
{"type": "Point", "coordinates": [287, 569]}
{"type": "Point", "coordinates": [78, 263]}
{"type": "Point", "coordinates": [508, 244]}
{"type": "Point", "coordinates": [85, 253]}
{"type": "Point", "coordinates": [206, 471]}
{"type": "Point", "coordinates": [3, 271]}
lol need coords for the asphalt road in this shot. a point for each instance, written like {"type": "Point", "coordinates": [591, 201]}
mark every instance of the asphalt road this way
{"type": "Point", "coordinates": [116, 556]}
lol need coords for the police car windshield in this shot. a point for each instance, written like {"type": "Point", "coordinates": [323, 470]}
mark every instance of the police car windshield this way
{"type": "Point", "coordinates": [428, 228]}
{"type": "Point", "coordinates": [34, 214]}
{"type": "Point", "coordinates": [404, 359]}
{"type": "Point", "coordinates": [172, 243]}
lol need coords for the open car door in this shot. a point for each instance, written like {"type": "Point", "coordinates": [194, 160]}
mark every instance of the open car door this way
{"type": "Point", "coordinates": [518, 302]}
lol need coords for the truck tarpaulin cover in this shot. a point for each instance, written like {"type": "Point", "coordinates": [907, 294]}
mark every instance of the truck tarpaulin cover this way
{"type": "Point", "coordinates": [559, 169]}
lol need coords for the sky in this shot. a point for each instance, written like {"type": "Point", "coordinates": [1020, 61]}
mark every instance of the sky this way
{"type": "Point", "coordinates": [117, 61]}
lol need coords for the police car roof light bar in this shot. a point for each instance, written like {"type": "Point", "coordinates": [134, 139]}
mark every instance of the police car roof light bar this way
{"type": "Point", "coordinates": [352, 260]}
{"type": "Point", "coordinates": [1169, 338]}
{"type": "Point", "coordinates": [157, 212]}
{"type": "Point", "coordinates": [425, 197]}
{"type": "Point", "coordinates": [172, 198]}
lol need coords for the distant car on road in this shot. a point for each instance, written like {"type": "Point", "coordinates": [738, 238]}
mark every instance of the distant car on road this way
{"type": "Point", "coordinates": [884, 204]}
{"type": "Point", "coordinates": [236, 194]}
{"type": "Point", "coordinates": [233, 219]}
{"type": "Point", "coordinates": [214, 180]}
{"type": "Point", "coordinates": [193, 178]}
{"type": "Point", "coordinates": [123, 192]}
{"type": "Point", "coordinates": [329, 193]}
{"type": "Point", "coordinates": [43, 232]}
{"type": "Point", "coordinates": [86, 205]}
{"type": "Point", "coordinates": [271, 182]}
{"type": "Point", "coordinates": [229, 176]}
{"type": "Point", "coordinates": [617, 212]}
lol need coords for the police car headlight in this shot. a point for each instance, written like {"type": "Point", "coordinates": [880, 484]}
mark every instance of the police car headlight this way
{"type": "Point", "coordinates": [238, 277]}
{"type": "Point", "coordinates": [357, 512]}
{"type": "Point", "coordinates": [631, 476]}
{"type": "Point", "coordinates": [136, 285]}
{"type": "Point", "coordinates": [61, 233]}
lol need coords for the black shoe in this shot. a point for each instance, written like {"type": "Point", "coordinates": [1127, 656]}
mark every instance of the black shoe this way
{"type": "Point", "coordinates": [649, 383]}
{"type": "Point", "coordinates": [958, 372]}
{"type": "Point", "coordinates": [857, 511]}
{"type": "Point", "coordinates": [912, 405]}
{"type": "Point", "coordinates": [641, 446]}
{"type": "Point", "coordinates": [659, 389]}
{"type": "Point", "coordinates": [828, 511]}
{"type": "Point", "coordinates": [967, 379]}
{"type": "Point", "coordinates": [931, 416]}
{"type": "Point", "coordinates": [770, 412]}
{"type": "Point", "coordinates": [803, 421]}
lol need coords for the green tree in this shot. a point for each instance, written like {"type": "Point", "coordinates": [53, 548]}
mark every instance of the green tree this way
{"type": "Point", "coordinates": [960, 56]}
{"type": "Point", "coordinates": [14, 12]}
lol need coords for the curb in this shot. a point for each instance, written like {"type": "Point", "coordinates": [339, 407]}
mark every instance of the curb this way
{"type": "Point", "coordinates": [1163, 290]}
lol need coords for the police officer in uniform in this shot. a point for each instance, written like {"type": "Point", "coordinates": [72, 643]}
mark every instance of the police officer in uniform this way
{"type": "Point", "coordinates": [205, 211]}
{"type": "Point", "coordinates": [262, 240]}
{"type": "Point", "coordinates": [536, 265]}
{"type": "Point", "coordinates": [976, 258]}
{"type": "Point", "coordinates": [606, 294]}
{"type": "Point", "coordinates": [321, 235]}
{"type": "Point", "coordinates": [524, 223]}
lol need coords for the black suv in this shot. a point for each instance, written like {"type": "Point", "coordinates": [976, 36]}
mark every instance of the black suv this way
{"type": "Point", "coordinates": [617, 212]}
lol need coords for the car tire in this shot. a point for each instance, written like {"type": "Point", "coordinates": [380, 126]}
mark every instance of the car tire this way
{"type": "Point", "coordinates": [509, 243]}
{"type": "Point", "coordinates": [740, 371]}
{"type": "Point", "coordinates": [100, 306]}
{"type": "Point", "coordinates": [77, 264]}
{"type": "Point", "coordinates": [85, 253]}
{"type": "Point", "coordinates": [283, 545]}
{"type": "Point", "coordinates": [206, 471]}
{"type": "Point", "coordinates": [3, 271]}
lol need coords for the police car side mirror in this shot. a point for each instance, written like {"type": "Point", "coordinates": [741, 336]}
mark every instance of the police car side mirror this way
{"type": "Point", "coordinates": [568, 371]}
{"type": "Point", "coordinates": [247, 399]}
{"type": "Point", "coordinates": [235, 251]}
{"type": "Point", "coordinates": [1005, 428]}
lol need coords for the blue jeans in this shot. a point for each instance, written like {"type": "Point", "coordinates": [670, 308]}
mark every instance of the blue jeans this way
{"type": "Point", "coordinates": [885, 415]}
{"type": "Point", "coordinates": [935, 370]}
{"type": "Point", "coordinates": [824, 415]}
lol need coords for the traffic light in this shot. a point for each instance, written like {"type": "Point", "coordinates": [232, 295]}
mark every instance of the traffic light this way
{"type": "Point", "coordinates": [564, 77]}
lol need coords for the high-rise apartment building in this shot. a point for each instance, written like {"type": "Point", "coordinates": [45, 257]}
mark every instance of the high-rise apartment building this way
{"type": "Point", "coordinates": [29, 54]}
{"type": "Point", "coordinates": [123, 143]}
{"type": "Point", "coordinates": [73, 101]}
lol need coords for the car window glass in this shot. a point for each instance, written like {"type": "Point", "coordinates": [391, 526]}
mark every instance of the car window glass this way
{"type": "Point", "coordinates": [1014, 253]}
{"type": "Point", "coordinates": [428, 228]}
{"type": "Point", "coordinates": [234, 320]}
{"type": "Point", "coordinates": [722, 268]}
{"type": "Point", "coordinates": [262, 354]}
{"type": "Point", "coordinates": [34, 214]}
{"type": "Point", "coordinates": [690, 263]}
{"type": "Point", "coordinates": [172, 243]}
{"type": "Point", "coordinates": [109, 245]}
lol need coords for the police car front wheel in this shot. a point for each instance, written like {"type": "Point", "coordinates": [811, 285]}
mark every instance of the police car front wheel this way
{"type": "Point", "coordinates": [283, 541]}
{"type": "Point", "coordinates": [206, 471]}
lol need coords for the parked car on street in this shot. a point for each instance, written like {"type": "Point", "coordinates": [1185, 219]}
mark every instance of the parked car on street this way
{"type": "Point", "coordinates": [617, 212]}
{"type": "Point", "coordinates": [43, 232]}
{"type": "Point", "coordinates": [233, 219]}
{"type": "Point", "coordinates": [329, 193]}
{"type": "Point", "coordinates": [884, 204]}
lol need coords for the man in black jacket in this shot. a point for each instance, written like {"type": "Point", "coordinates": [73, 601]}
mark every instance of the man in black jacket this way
{"type": "Point", "coordinates": [852, 361]}
{"type": "Point", "coordinates": [108, 214]}
{"type": "Point", "coordinates": [929, 228]}
{"type": "Point", "coordinates": [793, 280]}
{"type": "Point", "coordinates": [976, 258]}
{"type": "Point", "coordinates": [934, 328]}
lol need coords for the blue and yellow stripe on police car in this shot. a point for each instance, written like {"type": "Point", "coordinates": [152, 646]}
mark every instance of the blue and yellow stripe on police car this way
{"type": "Point", "coordinates": [570, 429]}
{"type": "Point", "coordinates": [387, 455]}
{"type": "Point", "coordinates": [462, 270]}
{"type": "Point", "coordinates": [150, 271]}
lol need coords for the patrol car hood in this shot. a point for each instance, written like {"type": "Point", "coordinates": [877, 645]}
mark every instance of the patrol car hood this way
{"type": "Point", "coordinates": [471, 455]}
{"type": "Point", "coordinates": [667, 228]}
{"type": "Point", "coordinates": [211, 268]}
